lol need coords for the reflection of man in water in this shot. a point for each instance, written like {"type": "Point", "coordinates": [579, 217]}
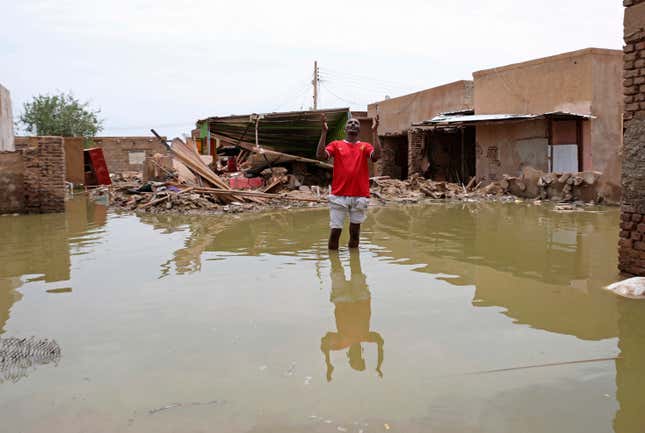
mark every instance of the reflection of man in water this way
{"type": "Point", "coordinates": [352, 300]}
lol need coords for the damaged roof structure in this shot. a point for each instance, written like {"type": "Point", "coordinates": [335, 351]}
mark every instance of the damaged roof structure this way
{"type": "Point", "coordinates": [295, 132]}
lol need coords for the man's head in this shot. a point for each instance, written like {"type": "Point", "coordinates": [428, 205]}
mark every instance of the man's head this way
{"type": "Point", "coordinates": [352, 128]}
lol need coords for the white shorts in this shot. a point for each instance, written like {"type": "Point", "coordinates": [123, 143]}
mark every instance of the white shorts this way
{"type": "Point", "coordinates": [340, 206]}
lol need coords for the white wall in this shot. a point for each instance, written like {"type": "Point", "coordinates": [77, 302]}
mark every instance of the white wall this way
{"type": "Point", "coordinates": [6, 121]}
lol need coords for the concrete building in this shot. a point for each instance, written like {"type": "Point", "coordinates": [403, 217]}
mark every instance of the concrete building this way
{"type": "Point", "coordinates": [6, 122]}
{"type": "Point", "coordinates": [632, 233]}
{"type": "Point", "coordinates": [403, 152]}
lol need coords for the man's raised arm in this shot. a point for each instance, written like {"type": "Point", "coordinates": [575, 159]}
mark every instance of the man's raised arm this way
{"type": "Point", "coordinates": [321, 153]}
{"type": "Point", "coordinates": [376, 155]}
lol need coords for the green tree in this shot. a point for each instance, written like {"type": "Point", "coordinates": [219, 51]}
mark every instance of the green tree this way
{"type": "Point", "coordinates": [60, 115]}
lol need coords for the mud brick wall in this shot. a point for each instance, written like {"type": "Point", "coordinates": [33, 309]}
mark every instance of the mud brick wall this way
{"type": "Point", "coordinates": [119, 152]}
{"type": "Point", "coordinates": [415, 151]}
{"type": "Point", "coordinates": [386, 165]}
{"type": "Point", "coordinates": [44, 173]}
{"type": "Point", "coordinates": [12, 193]}
{"type": "Point", "coordinates": [631, 246]}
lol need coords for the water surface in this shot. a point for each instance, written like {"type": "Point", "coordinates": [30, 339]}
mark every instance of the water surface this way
{"type": "Point", "coordinates": [208, 324]}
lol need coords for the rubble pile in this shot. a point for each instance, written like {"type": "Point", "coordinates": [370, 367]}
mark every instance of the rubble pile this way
{"type": "Point", "coordinates": [587, 186]}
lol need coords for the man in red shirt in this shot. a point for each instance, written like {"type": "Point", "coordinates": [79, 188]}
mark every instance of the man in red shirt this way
{"type": "Point", "coordinates": [350, 188]}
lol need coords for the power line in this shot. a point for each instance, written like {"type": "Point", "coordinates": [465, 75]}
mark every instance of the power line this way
{"type": "Point", "coordinates": [339, 97]}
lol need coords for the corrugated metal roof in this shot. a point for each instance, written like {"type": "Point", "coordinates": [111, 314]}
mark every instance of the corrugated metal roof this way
{"type": "Point", "coordinates": [452, 120]}
{"type": "Point", "coordinates": [295, 132]}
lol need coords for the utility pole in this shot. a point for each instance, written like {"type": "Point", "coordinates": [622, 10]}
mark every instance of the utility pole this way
{"type": "Point", "coordinates": [315, 83]}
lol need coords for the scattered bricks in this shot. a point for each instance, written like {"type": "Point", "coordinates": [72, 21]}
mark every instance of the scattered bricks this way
{"type": "Point", "coordinates": [632, 90]}
{"type": "Point", "coordinates": [629, 99]}
{"type": "Point", "coordinates": [639, 80]}
{"type": "Point", "coordinates": [628, 82]}
{"type": "Point", "coordinates": [627, 225]}
{"type": "Point", "coordinates": [625, 234]}
{"type": "Point", "coordinates": [636, 217]}
{"type": "Point", "coordinates": [631, 57]}
{"type": "Point", "coordinates": [630, 74]}
{"type": "Point", "coordinates": [629, 48]}
{"type": "Point", "coordinates": [636, 236]}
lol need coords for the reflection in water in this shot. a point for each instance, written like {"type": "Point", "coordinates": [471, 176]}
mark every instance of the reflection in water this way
{"type": "Point", "coordinates": [352, 301]}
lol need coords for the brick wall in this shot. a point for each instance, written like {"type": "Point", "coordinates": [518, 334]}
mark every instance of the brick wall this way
{"type": "Point", "coordinates": [387, 164]}
{"type": "Point", "coordinates": [44, 173]}
{"type": "Point", "coordinates": [12, 193]}
{"type": "Point", "coordinates": [119, 152]}
{"type": "Point", "coordinates": [415, 151]}
{"type": "Point", "coordinates": [631, 246]}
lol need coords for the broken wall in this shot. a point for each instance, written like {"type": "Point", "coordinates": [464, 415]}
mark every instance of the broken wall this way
{"type": "Point", "coordinates": [124, 154]}
{"type": "Point", "coordinates": [6, 121]}
{"type": "Point", "coordinates": [12, 193]}
{"type": "Point", "coordinates": [44, 173]}
{"type": "Point", "coordinates": [508, 147]}
{"type": "Point", "coordinates": [632, 233]}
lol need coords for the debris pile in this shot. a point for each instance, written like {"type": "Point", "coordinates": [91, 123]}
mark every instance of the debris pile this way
{"type": "Point", "coordinates": [586, 186]}
{"type": "Point", "coordinates": [188, 184]}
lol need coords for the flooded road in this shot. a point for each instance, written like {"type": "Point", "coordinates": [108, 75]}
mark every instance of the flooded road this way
{"type": "Point", "coordinates": [452, 318]}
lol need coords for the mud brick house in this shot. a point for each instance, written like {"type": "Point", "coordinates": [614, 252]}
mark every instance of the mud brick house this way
{"type": "Point", "coordinates": [632, 234]}
{"type": "Point", "coordinates": [559, 113]}
{"type": "Point", "coordinates": [403, 150]}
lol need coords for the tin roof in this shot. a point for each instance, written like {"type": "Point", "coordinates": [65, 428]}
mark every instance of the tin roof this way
{"type": "Point", "coordinates": [460, 119]}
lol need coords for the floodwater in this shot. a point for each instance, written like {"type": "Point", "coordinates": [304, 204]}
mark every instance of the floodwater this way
{"type": "Point", "coordinates": [451, 318]}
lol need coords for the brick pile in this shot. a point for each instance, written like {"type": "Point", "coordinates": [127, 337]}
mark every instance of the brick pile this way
{"type": "Point", "coordinates": [631, 246]}
{"type": "Point", "coordinates": [44, 173]}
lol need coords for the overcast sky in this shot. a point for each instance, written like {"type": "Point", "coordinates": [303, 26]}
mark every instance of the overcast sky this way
{"type": "Point", "coordinates": [165, 64]}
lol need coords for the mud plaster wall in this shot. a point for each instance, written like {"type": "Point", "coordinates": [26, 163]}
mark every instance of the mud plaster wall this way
{"type": "Point", "coordinates": [6, 121]}
{"type": "Point", "coordinates": [12, 194]}
{"type": "Point", "coordinates": [119, 152]}
{"type": "Point", "coordinates": [631, 245]}
{"type": "Point", "coordinates": [398, 114]}
{"type": "Point", "coordinates": [584, 82]}
{"type": "Point", "coordinates": [507, 148]}
{"type": "Point", "coordinates": [44, 173]}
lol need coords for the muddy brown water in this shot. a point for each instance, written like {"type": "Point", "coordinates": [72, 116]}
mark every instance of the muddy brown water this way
{"type": "Point", "coordinates": [452, 318]}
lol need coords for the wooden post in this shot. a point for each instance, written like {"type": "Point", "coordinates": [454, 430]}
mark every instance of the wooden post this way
{"type": "Point", "coordinates": [463, 159]}
{"type": "Point", "coordinates": [315, 83]}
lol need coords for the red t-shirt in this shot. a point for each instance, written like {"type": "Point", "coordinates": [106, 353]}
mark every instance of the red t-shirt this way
{"type": "Point", "coordinates": [351, 173]}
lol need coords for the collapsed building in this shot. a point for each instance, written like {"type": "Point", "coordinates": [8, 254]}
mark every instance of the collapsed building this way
{"type": "Point", "coordinates": [556, 114]}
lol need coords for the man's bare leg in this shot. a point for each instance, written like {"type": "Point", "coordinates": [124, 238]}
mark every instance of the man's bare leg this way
{"type": "Point", "coordinates": [334, 238]}
{"type": "Point", "coordinates": [354, 235]}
